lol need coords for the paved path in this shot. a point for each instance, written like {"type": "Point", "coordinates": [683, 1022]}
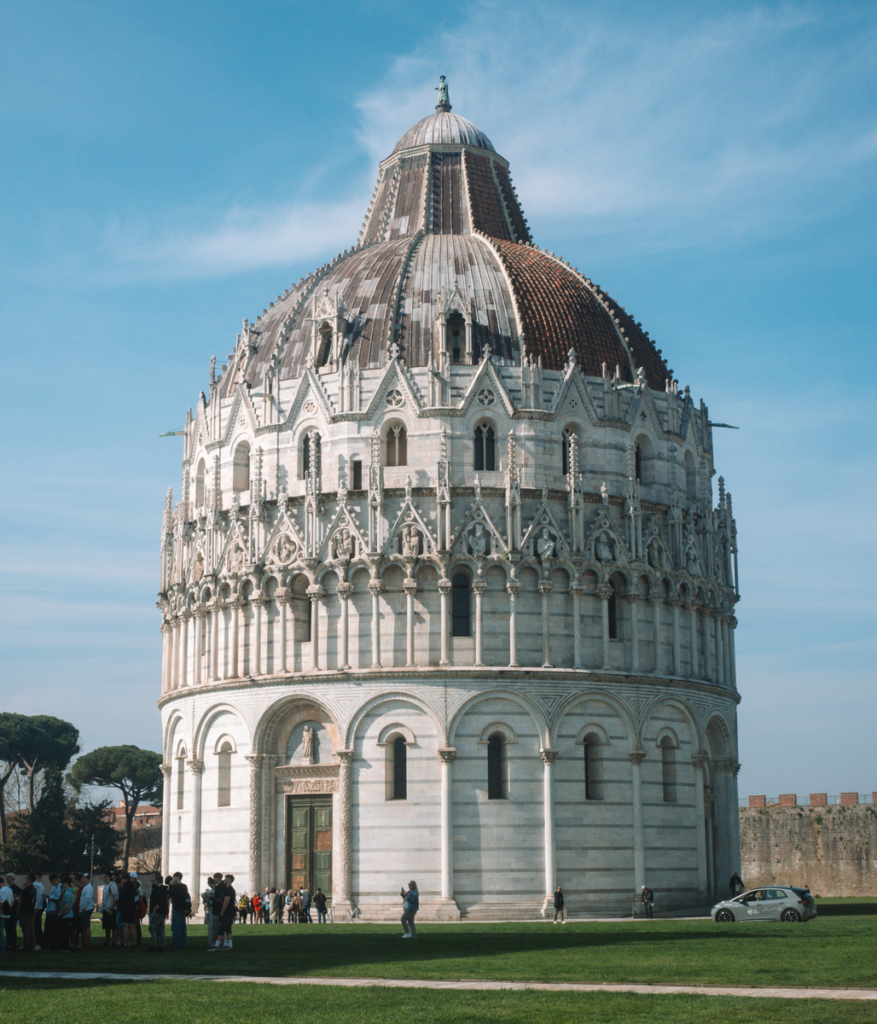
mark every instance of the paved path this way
{"type": "Point", "coordinates": [488, 986]}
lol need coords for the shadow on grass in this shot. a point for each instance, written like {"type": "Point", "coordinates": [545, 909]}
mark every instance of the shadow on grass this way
{"type": "Point", "coordinates": [846, 908]}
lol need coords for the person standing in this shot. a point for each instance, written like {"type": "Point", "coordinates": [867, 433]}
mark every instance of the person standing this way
{"type": "Point", "coordinates": [51, 916]}
{"type": "Point", "coordinates": [159, 901]}
{"type": "Point", "coordinates": [226, 917]}
{"type": "Point", "coordinates": [128, 907]}
{"type": "Point", "coordinates": [734, 882]}
{"type": "Point", "coordinates": [320, 904]}
{"type": "Point", "coordinates": [27, 902]}
{"type": "Point", "coordinates": [65, 913]}
{"type": "Point", "coordinates": [181, 907]}
{"type": "Point", "coordinates": [7, 900]}
{"type": "Point", "coordinates": [12, 920]}
{"type": "Point", "coordinates": [410, 906]}
{"type": "Point", "coordinates": [109, 906]}
{"type": "Point", "coordinates": [216, 907]}
{"type": "Point", "coordinates": [648, 901]}
{"type": "Point", "coordinates": [86, 909]}
{"type": "Point", "coordinates": [306, 905]}
{"type": "Point", "coordinates": [558, 905]}
{"type": "Point", "coordinates": [295, 907]}
{"type": "Point", "coordinates": [39, 910]}
{"type": "Point", "coordinates": [276, 906]}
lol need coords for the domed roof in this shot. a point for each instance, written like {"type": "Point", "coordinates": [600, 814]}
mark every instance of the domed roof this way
{"type": "Point", "coordinates": [445, 234]}
{"type": "Point", "coordinates": [444, 129]}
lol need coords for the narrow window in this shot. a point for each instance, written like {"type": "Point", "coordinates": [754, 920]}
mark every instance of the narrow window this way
{"type": "Point", "coordinates": [668, 770]}
{"type": "Point", "coordinates": [400, 769]}
{"type": "Point", "coordinates": [356, 474]}
{"type": "Point", "coordinates": [241, 468]}
{"type": "Point", "coordinates": [324, 346]}
{"type": "Point", "coordinates": [397, 446]}
{"type": "Point", "coordinates": [181, 780]}
{"type": "Point", "coordinates": [309, 441]}
{"type": "Point", "coordinates": [223, 759]}
{"type": "Point", "coordinates": [180, 829]}
{"type": "Point", "coordinates": [690, 476]}
{"type": "Point", "coordinates": [613, 616]}
{"type": "Point", "coordinates": [638, 456]}
{"type": "Point", "coordinates": [199, 485]}
{"type": "Point", "coordinates": [495, 789]}
{"type": "Point", "coordinates": [456, 336]}
{"type": "Point", "coordinates": [460, 605]}
{"type": "Point", "coordinates": [593, 763]}
{"type": "Point", "coordinates": [485, 448]}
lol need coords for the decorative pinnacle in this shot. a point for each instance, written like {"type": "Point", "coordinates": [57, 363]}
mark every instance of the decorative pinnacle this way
{"type": "Point", "coordinates": [444, 102]}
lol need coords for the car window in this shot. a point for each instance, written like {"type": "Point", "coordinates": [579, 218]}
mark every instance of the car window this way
{"type": "Point", "coordinates": [777, 894]}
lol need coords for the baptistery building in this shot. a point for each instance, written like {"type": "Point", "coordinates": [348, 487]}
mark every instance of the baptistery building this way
{"type": "Point", "coordinates": [448, 592]}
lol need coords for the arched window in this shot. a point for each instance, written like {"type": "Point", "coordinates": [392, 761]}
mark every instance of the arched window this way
{"type": "Point", "coordinates": [324, 345]}
{"type": "Point", "coordinates": [638, 458]}
{"type": "Point", "coordinates": [310, 440]}
{"type": "Point", "coordinates": [396, 446]}
{"type": "Point", "coordinates": [241, 468]}
{"type": "Point", "coordinates": [356, 474]}
{"type": "Point", "coordinates": [400, 769]}
{"type": "Point", "coordinates": [181, 778]}
{"type": "Point", "coordinates": [223, 764]}
{"type": "Point", "coordinates": [690, 476]}
{"type": "Point", "coordinates": [301, 610]}
{"type": "Point", "coordinates": [485, 448]}
{"type": "Point", "coordinates": [495, 781]}
{"type": "Point", "coordinates": [460, 605]}
{"type": "Point", "coordinates": [456, 333]}
{"type": "Point", "coordinates": [668, 770]}
{"type": "Point", "coordinates": [199, 484]}
{"type": "Point", "coordinates": [613, 615]}
{"type": "Point", "coordinates": [179, 828]}
{"type": "Point", "coordinates": [593, 767]}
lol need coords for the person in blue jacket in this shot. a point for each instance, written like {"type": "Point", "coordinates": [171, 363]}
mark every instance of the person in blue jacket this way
{"type": "Point", "coordinates": [410, 906]}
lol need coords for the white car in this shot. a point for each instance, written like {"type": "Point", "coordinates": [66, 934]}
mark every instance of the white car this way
{"type": "Point", "coordinates": [769, 903]}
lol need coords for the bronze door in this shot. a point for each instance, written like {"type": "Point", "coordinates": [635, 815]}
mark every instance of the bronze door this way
{"type": "Point", "coordinates": [309, 843]}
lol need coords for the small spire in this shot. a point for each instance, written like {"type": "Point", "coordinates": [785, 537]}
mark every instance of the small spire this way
{"type": "Point", "coordinates": [444, 102]}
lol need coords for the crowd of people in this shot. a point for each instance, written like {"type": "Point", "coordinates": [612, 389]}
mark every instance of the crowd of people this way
{"type": "Point", "coordinates": [276, 906]}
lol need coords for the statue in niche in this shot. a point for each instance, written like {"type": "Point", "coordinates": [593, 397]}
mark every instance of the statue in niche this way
{"type": "Point", "coordinates": [236, 558]}
{"type": "Point", "coordinates": [307, 745]}
{"type": "Point", "coordinates": [545, 545]}
{"type": "Point", "coordinates": [198, 568]}
{"type": "Point", "coordinates": [604, 549]}
{"type": "Point", "coordinates": [410, 541]}
{"type": "Point", "coordinates": [691, 562]}
{"type": "Point", "coordinates": [478, 541]}
{"type": "Point", "coordinates": [604, 493]}
{"type": "Point", "coordinates": [284, 549]}
{"type": "Point", "coordinates": [342, 545]}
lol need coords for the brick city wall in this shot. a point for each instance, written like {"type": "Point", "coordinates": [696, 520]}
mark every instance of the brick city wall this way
{"type": "Point", "coordinates": [830, 847]}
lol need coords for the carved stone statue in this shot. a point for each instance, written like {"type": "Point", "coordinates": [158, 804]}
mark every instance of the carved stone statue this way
{"type": "Point", "coordinates": [604, 548]}
{"type": "Point", "coordinates": [545, 545]}
{"type": "Point", "coordinates": [198, 568]}
{"type": "Point", "coordinates": [691, 561]}
{"type": "Point", "coordinates": [284, 549]}
{"type": "Point", "coordinates": [478, 541]}
{"type": "Point", "coordinates": [442, 89]}
{"type": "Point", "coordinates": [410, 541]}
{"type": "Point", "coordinates": [236, 558]}
{"type": "Point", "coordinates": [307, 745]}
{"type": "Point", "coordinates": [604, 493]}
{"type": "Point", "coordinates": [343, 545]}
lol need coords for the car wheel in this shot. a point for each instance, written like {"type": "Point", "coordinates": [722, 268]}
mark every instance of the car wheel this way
{"type": "Point", "coordinates": [726, 915]}
{"type": "Point", "coordinates": [791, 915]}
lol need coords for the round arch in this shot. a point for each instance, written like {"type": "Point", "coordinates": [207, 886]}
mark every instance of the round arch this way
{"type": "Point", "coordinates": [534, 712]}
{"type": "Point", "coordinates": [625, 714]}
{"type": "Point", "coordinates": [383, 698]}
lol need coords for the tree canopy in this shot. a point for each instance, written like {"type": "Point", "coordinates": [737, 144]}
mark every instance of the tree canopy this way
{"type": "Point", "coordinates": [135, 772]}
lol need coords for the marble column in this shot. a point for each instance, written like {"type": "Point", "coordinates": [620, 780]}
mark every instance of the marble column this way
{"type": "Point", "coordinates": [314, 595]}
{"type": "Point", "coordinates": [605, 592]}
{"type": "Point", "coordinates": [692, 633]}
{"type": "Point", "coordinates": [215, 617]}
{"type": "Point", "coordinates": [167, 774]}
{"type": "Point", "coordinates": [721, 838]}
{"type": "Point", "coordinates": [342, 896]}
{"type": "Point", "coordinates": [699, 760]}
{"type": "Point", "coordinates": [576, 594]}
{"type": "Point", "coordinates": [733, 767]}
{"type": "Point", "coordinates": [255, 862]}
{"type": "Point", "coordinates": [513, 586]}
{"type": "Point", "coordinates": [410, 588]}
{"type": "Point", "coordinates": [545, 592]}
{"type": "Point", "coordinates": [548, 758]}
{"type": "Point", "coordinates": [256, 653]}
{"type": "Point", "coordinates": [345, 590]}
{"type": "Point", "coordinates": [196, 766]}
{"type": "Point", "coordinates": [174, 666]}
{"type": "Point", "coordinates": [448, 909]}
{"type": "Point", "coordinates": [282, 594]}
{"type": "Point", "coordinates": [166, 645]}
{"type": "Point", "coordinates": [677, 647]}
{"type": "Point", "coordinates": [198, 615]}
{"type": "Point", "coordinates": [235, 666]}
{"type": "Point", "coordinates": [720, 651]}
{"type": "Point", "coordinates": [656, 603]}
{"type": "Point", "coordinates": [478, 587]}
{"type": "Point", "coordinates": [732, 659]}
{"type": "Point", "coordinates": [633, 600]}
{"type": "Point", "coordinates": [708, 673]}
{"type": "Point", "coordinates": [444, 587]}
{"type": "Point", "coordinates": [375, 587]}
{"type": "Point", "coordinates": [639, 860]}
{"type": "Point", "coordinates": [184, 648]}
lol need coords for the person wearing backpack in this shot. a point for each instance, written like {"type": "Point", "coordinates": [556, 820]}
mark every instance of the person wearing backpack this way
{"type": "Point", "coordinates": [320, 904]}
{"type": "Point", "coordinates": [128, 908]}
{"type": "Point", "coordinates": [7, 899]}
{"type": "Point", "coordinates": [27, 903]}
{"type": "Point", "coordinates": [181, 908]}
{"type": "Point", "coordinates": [64, 916]}
{"type": "Point", "coordinates": [159, 902]}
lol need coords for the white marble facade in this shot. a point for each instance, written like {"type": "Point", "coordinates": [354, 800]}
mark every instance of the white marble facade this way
{"type": "Point", "coordinates": [548, 636]}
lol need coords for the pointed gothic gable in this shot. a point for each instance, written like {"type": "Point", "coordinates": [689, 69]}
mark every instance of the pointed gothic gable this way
{"type": "Point", "coordinates": [310, 386]}
{"type": "Point", "coordinates": [394, 378]}
{"type": "Point", "coordinates": [572, 398]}
{"type": "Point", "coordinates": [344, 519]}
{"type": "Point", "coordinates": [486, 379]}
{"type": "Point", "coordinates": [604, 524]}
{"type": "Point", "coordinates": [233, 557]}
{"type": "Point", "coordinates": [643, 402]}
{"type": "Point", "coordinates": [544, 519]}
{"type": "Point", "coordinates": [409, 515]}
{"type": "Point", "coordinates": [242, 408]}
{"type": "Point", "coordinates": [285, 542]}
{"type": "Point", "coordinates": [477, 515]}
{"type": "Point", "coordinates": [691, 560]}
{"type": "Point", "coordinates": [656, 540]}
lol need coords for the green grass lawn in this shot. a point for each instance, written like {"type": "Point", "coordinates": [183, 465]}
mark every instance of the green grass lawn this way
{"type": "Point", "coordinates": [836, 950]}
{"type": "Point", "coordinates": [182, 1002]}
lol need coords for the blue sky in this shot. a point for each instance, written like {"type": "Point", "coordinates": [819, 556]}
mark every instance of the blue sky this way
{"type": "Point", "coordinates": [169, 168]}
